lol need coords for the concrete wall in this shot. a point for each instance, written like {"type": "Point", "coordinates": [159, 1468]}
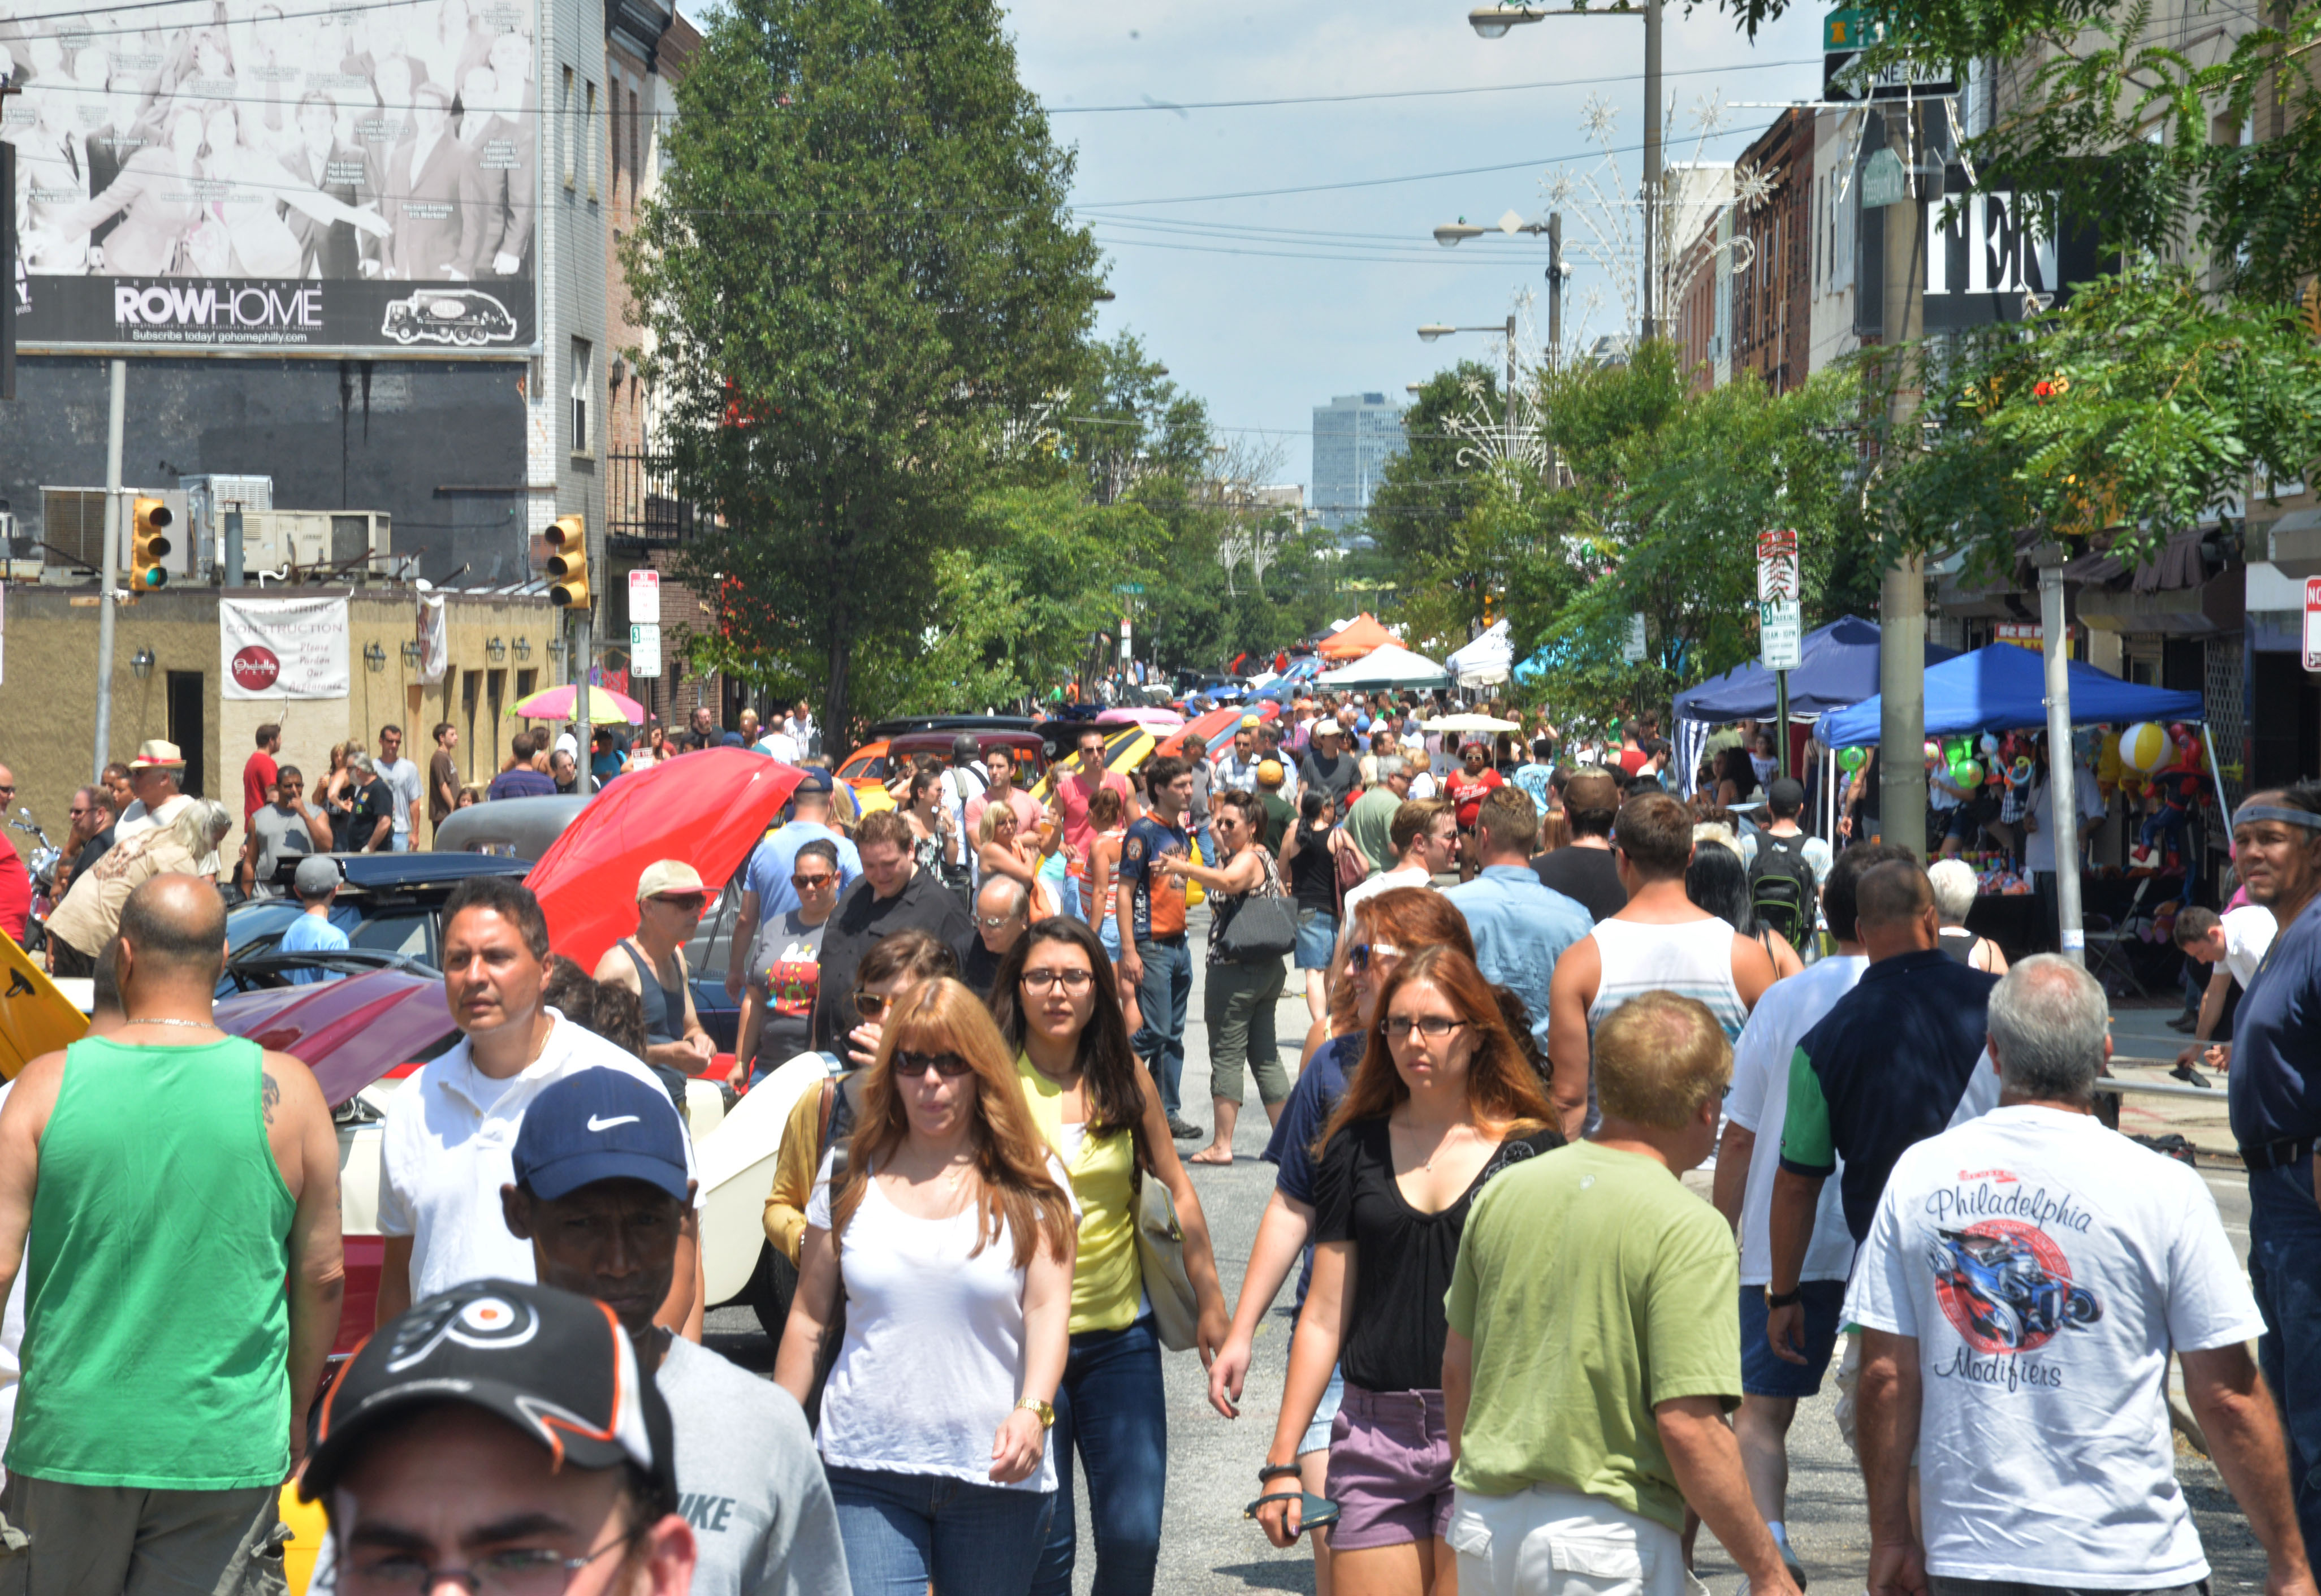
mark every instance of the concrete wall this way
{"type": "Point", "coordinates": [48, 689]}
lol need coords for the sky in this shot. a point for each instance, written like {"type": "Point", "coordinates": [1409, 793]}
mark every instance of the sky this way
{"type": "Point", "coordinates": [1265, 306]}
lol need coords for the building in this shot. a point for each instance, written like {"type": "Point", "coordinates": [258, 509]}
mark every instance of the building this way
{"type": "Point", "coordinates": [1354, 436]}
{"type": "Point", "coordinates": [1701, 270]}
{"type": "Point", "coordinates": [1771, 316]}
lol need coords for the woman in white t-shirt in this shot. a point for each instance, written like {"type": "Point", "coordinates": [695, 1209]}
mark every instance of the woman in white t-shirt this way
{"type": "Point", "coordinates": [951, 1223]}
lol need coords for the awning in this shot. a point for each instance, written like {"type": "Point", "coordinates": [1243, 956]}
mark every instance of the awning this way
{"type": "Point", "coordinates": [1391, 665]}
{"type": "Point", "coordinates": [1485, 661]}
{"type": "Point", "coordinates": [1359, 637]}
{"type": "Point", "coordinates": [1837, 664]}
{"type": "Point", "coordinates": [2004, 688]}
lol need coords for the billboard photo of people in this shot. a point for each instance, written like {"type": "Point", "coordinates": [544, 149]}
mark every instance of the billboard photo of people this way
{"type": "Point", "coordinates": [217, 174]}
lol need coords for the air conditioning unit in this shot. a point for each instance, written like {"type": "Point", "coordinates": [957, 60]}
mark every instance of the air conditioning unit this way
{"type": "Point", "coordinates": [317, 544]}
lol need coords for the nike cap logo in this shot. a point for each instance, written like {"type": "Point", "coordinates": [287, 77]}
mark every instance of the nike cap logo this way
{"type": "Point", "coordinates": [597, 1124]}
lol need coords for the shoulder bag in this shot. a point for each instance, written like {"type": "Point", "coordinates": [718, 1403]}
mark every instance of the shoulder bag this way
{"type": "Point", "coordinates": [1265, 925]}
{"type": "Point", "coordinates": [1160, 1256]}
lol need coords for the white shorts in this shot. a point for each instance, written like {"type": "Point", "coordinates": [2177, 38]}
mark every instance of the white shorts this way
{"type": "Point", "coordinates": [1544, 1542]}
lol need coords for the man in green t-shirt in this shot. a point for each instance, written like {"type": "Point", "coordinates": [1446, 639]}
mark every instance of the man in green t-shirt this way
{"type": "Point", "coordinates": [1371, 817]}
{"type": "Point", "coordinates": [1593, 1351]}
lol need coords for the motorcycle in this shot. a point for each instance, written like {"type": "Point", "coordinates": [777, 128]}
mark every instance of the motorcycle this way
{"type": "Point", "coordinates": [43, 869]}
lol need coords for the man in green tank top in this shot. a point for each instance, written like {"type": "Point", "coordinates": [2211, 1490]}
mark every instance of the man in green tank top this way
{"type": "Point", "coordinates": [157, 1187]}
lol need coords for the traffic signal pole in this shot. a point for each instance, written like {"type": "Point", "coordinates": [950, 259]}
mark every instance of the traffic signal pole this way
{"type": "Point", "coordinates": [106, 598]}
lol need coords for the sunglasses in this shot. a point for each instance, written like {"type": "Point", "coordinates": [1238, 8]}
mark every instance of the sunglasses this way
{"type": "Point", "coordinates": [871, 1006]}
{"type": "Point", "coordinates": [949, 1065]}
{"type": "Point", "coordinates": [992, 923]}
{"type": "Point", "coordinates": [806, 884]}
{"type": "Point", "coordinates": [1362, 956]}
{"type": "Point", "coordinates": [689, 902]}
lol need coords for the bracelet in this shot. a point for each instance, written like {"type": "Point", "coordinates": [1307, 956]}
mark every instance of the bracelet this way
{"type": "Point", "coordinates": [1789, 1299]}
{"type": "Point", "coordinates": [1276, 1470]}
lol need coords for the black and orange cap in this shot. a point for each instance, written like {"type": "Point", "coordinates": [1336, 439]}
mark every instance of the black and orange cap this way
{"type": "Point", "coordinates": [557, 1367]}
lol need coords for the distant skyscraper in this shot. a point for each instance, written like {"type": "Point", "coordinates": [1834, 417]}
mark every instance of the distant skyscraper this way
{"type": "Point", "coordinates": [1354, 436]}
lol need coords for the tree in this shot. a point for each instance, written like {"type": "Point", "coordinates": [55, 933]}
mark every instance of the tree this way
{"type": "Point", "coordinates": [865, 296]}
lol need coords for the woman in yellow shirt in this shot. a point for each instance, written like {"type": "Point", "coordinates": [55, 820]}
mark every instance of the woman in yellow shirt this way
{"type": "Point", "coordinates": [1057, 1005]}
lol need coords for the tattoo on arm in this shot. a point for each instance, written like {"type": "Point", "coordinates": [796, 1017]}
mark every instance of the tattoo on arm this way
{"type": "Point", "coordinates": [271, 1092]}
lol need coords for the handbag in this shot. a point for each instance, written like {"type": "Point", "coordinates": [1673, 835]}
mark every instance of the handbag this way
{"type": "Point", "coordinates": [1351, 873]}
{"type": "Point", "coordinates": [1264, 927]}
{"type": "Point", "coordinates": [1161, 1255]}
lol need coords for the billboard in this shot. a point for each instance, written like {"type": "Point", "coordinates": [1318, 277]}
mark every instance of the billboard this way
{"type": "Point", "coordinates": [278, 649]}
{"type": "Point", "coordinates": [237, 177]}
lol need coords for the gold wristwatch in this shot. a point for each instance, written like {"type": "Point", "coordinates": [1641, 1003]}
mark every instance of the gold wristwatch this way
{"type": "Point", "coordinates": [1044, 1411]}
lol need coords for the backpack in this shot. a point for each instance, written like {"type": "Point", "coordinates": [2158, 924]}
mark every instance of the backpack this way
{"type": "Point", "coordinates": [1782, 890]}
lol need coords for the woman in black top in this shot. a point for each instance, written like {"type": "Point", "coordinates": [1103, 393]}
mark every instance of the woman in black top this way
{"type": "Point", "coordinates": [1309, 858]}
{"type": "Point", "coordinates": [1441, 1101]}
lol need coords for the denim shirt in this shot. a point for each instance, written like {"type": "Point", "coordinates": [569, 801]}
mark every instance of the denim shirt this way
{"type": "Point", "coordinates": [1521, 928]}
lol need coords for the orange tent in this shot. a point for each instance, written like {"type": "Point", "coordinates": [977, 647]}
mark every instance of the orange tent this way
{"type": "Point", "coordinates": [1360, 636]}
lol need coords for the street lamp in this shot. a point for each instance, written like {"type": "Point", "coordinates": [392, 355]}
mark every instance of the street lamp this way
{"type": "Point", "coordinates": [1494, 21]}
{"type": "Point", "coordinates": [141, 664]}
{"type": "Point", "coordinates": [1437, 329]}
{"type": "Point", "coordinates": [1452, 234]}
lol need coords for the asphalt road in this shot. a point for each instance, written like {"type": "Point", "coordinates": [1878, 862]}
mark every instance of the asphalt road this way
{"type": "Point", "coordinates": [1208, 1549]}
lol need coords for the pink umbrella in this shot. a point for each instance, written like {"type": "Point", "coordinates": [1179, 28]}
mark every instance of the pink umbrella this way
{"type": "Point", "coordinates": [605, 707]}
{"type": "Point", "coordinates": [1159, 719]}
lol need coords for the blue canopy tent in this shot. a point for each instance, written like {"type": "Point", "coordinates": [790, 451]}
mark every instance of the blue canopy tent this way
{"type": "Point", "coordinates": [2003, 688]}
{"type": "Point", "coordinates": [1837, 666]}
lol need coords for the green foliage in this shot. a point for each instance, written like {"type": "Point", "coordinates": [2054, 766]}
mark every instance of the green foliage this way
{"type": "Point", "coordinates": [2140, 408]}
{"type": "Point", "coordinates": [862, 288]}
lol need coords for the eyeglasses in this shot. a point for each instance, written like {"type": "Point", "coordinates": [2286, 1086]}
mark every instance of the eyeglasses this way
{"type": "Point", "coordinates": [1070, 980]}
{"type": "Point", "coordinates": [1362, 956]}
{"type": "Point", "coordinates": [1433, 1027]}
{"type": "Point", "coordinates": [77, 811]}
{"type": "Point", "coordinates": [533, 1570]}
{"type": "Point", "coordinates": [807, 883]}
{"type": "Point", "coordinates": [992, 923]}
{"type": "Point", "coordinates": [871, 1006]}
{"type": "Point", "coordinates": [685, 902]}
{"type": "Point", "coordinates": [949, 1065]}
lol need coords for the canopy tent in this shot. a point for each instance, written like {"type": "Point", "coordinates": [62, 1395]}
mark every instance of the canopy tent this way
{"type": "Point", "coordinates": [1387, 666]}
{"type": "Point", "coordinates": [1837, 664]}
{"type": "Point", "coordinates": [2002, 688]}
{"type": "Point", "coordinates": [1358, 637]}
{"type": "Point", "coordinates": [1485, 661]}
{"type": "Point", "coordinates": [1469, 723]}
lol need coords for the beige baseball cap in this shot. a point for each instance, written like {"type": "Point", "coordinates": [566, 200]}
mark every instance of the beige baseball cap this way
{"type": "Point", "coordinates": [663, 877]}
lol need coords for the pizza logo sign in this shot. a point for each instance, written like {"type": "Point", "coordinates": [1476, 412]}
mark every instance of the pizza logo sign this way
{"type": "Point", "coordinates": [2007, 1287]}
{"type": "Point", "coordinates": [256, 668]}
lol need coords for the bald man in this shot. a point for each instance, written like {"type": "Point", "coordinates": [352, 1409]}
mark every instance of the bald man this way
{"type": "Point", "coordinates": [173, 1456]}
{"type": "Point", "coordinates": [1003, 913]}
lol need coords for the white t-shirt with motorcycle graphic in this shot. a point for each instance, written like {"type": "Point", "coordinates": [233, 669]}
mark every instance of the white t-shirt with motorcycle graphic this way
{"type": "Point", "coordinates": [2047, 1267]}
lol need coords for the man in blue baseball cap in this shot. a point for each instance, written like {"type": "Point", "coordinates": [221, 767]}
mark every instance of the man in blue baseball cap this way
{"type": "Point", "coordinates": [601, 1193]}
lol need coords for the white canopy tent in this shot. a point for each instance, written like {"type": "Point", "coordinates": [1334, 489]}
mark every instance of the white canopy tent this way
{"type": "Point", "coordinates": [1487, 661]}
{"type": "Point", "coordinates": [1391, 665]}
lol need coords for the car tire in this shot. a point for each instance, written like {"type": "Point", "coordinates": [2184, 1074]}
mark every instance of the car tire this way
{"type": "Point", "coordinates": [773, 1285]}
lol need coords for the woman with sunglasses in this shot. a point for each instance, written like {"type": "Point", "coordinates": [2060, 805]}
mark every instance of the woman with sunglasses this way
{"type": "Point", "coordinates": [1383, 925]}
{"type": "Point", "coordinates": [651, 964]}
{"type": "Point", "coordinates": [1443, 1100]}
{"type": "Point", "coordinates": [1099, 1109]}
{"type": "Point", "coordinates": [1002, 849]}
{"type": "Point", "coordinates": [1241, 994]}
{"type": "Point", "coordinates": [955, 1226]}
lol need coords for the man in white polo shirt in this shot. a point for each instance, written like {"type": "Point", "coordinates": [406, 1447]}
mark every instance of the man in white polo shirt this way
{"type": "Point", "coordinates": [449, 1141]}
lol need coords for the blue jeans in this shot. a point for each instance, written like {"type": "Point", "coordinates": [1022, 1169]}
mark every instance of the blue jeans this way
{"type": "Point", "coordinates": [2285, 1268]}
{"type": "Point", "coordinates": [901, 1531]}
{"type": "Point", "coordinates": [1111, 1406]}
{"type": "Point", "coordinates": [1164, 996]}
{"type": "Point", "coordinates": [398, 842]}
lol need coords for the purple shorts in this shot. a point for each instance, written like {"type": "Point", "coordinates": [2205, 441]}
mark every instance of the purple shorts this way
{"type": "Point", "coordinates": [1389, 1469]}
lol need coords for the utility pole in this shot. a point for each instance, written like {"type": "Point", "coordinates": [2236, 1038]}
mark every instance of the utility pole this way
{"type": "Point", "coordinates": [1511, 387]}
{"type": "Point", "coordinates": [108, 566]}
{"type": "Point", "coordinates": [1902, 705]}
{"type": "Point", "coordinates": [1651, 166]}
{"type": "Point", "coordinates": [584, 733]}
{"type": "Point", "coordinates": [1555, 288]}
{"type": "Point", "coordinates": [2063, 762]}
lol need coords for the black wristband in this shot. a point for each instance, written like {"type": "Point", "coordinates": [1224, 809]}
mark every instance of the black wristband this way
{"type": "Point", "coordinates": [1276, 1470]}
{"type": "Point", "coordinates": [1789, 1299]}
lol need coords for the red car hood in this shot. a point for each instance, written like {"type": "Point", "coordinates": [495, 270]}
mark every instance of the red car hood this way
{"type": "Point", "coordinates": [349, 1032]}
{"type": "Point", "coordinates": [707, 809]}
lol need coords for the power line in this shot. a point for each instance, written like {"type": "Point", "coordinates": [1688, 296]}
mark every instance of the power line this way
{"type": "Point", "coordinates": [1410, 93]}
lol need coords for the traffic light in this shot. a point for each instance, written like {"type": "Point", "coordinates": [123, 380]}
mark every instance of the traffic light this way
{"type": "Point", "coordinates": [567, 563]}
{"type": "Point", "coordinates": [148, 546]}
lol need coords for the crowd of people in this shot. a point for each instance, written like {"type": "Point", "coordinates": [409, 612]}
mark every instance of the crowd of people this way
{"type": "Point", "coordinates": [1622, 1119]}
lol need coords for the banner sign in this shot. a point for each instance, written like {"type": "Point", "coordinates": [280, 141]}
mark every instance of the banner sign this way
{"type": "Point", "coordinates": [281, 648]}
{"type": "Point", "coordinates": [196, 180]}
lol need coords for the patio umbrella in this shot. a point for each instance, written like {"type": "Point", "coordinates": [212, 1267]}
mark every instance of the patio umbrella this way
{"type": "Point", "coordinates": [1469, 723]}
{"type": "Point", "coordinates": [605, 707]}
{"type": "Point", "coordinates": [707, 809]}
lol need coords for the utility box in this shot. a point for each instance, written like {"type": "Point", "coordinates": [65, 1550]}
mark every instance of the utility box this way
{"type": "Point", "coordinates": [316, 545]}
{"type": "Point", "coordinates": [207, 500]}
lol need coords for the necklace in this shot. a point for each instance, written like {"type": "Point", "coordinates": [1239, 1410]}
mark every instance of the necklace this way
{"type": "Point", "coordinates": [190, 1024]}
